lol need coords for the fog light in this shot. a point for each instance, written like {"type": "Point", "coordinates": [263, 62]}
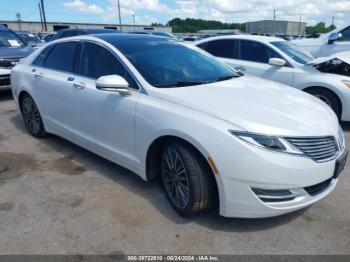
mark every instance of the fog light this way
{"type": "Point", "coordinates": [275, 195]}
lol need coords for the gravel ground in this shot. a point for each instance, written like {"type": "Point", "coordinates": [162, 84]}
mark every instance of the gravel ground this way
{"type": "Point", "coordinates": [57, 198]}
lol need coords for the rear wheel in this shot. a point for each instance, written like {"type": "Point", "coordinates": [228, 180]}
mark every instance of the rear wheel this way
{"type": "Point", "coordinates": [186, 179]}
{"type": "Point", "coordinates": [32, 117]}
{"type": "Point", "coordinates": [328, 98]}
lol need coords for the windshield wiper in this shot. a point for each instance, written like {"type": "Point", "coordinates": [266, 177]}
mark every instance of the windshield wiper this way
{"type": "Point", "coordinates": [223, 78]}
{"type": "Point", "coordinates": [183, 83]}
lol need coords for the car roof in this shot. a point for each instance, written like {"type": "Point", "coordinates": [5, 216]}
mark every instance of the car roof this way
{"type": "Point", "coordinates": [260, 38]}
{"type": "Point", "coordinates": [4, 28]}
{"type": "Point", "coordinates": [23, 32]}
{"type": "Point", "coordinates": [127, 37]}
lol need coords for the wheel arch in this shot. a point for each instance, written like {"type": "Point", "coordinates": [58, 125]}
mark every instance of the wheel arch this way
{"type": "Point", "coordinates": [154, 154]}
{"type": "Point", "coordinates": [21, 94]}
{"type": "Point", "coordinates": [336, 95]}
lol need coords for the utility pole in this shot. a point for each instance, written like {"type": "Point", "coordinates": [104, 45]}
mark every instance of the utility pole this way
{"type": "Point", "coordinates": [44, 15]}
{"type": "Point", "coordinates": [19, 20]}
{"type": "Point", "coordinates": [133, 16]}
{"type": "Point", "coordinates": [274, 21]}
{"type": "Point", "coordinates": [41, 17]}
{"type": "Point", "coordinates": [300, 25]}
{"type": "Point", "coordinates": [333, 21]}
{"type": "Point", "coordinates": [120, 18]}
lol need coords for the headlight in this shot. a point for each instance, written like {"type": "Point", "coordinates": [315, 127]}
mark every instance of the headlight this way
{"type": "Point", "coordinates": [268, 142]}
{"type": "Point", "coordinates": [341, 139]}
{"type": "Point", "coordinates": [346, 82]}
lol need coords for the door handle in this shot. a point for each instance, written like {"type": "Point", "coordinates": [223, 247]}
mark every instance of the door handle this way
{"type": "Point", "coordinates": [77, 86]}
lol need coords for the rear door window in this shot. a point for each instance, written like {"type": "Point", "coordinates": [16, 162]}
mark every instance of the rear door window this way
{"type": "Point", "coordinates": [226, 48]}
{"type": "Point", "coordinates": [61, 57]}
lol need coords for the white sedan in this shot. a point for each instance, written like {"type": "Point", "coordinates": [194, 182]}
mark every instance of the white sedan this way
{"type": "Point", "coordinates": [163, 109]}
{"type": "Point", "coordinates": [333, 42]}
{"type": "Point", "coordinates": [284, 62]}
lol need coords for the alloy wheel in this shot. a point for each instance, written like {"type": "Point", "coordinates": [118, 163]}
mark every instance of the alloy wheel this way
{"type": "Point", "coordinates": [175, 178]}
{"type": "Point", "coordinates": [31, 115]}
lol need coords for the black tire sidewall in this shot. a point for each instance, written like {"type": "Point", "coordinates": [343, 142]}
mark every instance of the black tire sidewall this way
{"type": "Point", "coordinates": [184, 153]}
{"type": "Point", "coordinates": [41, 131]}
{"type": "Point", "coordinates": [336, 107]}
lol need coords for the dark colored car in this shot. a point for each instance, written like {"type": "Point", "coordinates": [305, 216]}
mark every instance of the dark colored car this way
{"type": "Point", "coordinates": [12, 49]}
{"type": "Point", "coordinates": [75, 32]}
{"type": "Point", "coordinates": [49, 37]}
{"type": "Point", "coordinates": [30, 38]}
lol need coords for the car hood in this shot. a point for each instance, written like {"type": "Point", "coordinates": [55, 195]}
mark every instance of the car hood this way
{"type": "Point", "coordinates": [15, 52]}
{"type": "Point", "coordinates": [344, 56]}
{"type": "Point", "coordinates": [257, 105]}
{"type": "Point", "coordinates": [309, 41]}
{"type": "Point", "coordinates": [336, 64]}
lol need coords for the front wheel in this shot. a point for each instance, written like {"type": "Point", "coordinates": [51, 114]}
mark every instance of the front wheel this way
{"type": "Point", "coordinates": [32, 117]}
{"type": "Point", "coordinates": [186, 179]}
{"type": "Point", "coordinates": [328, 98]}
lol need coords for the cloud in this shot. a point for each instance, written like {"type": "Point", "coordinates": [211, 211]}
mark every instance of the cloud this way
{"type": "Point", "coordinates": [82, 7]}
{"type": "Point", "coordinates": [312, 11]}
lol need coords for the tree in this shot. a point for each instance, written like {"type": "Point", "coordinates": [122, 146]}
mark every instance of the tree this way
{"type": "Point", "coordinates": [320, 28]}
{"type": "Point", "coordinates": [190, 25]}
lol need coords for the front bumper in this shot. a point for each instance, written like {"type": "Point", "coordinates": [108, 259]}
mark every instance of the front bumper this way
{"type": "Point", "coordinates": [243, 167]}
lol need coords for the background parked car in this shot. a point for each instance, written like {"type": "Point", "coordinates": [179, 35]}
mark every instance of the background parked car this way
{"type": "Point", "coordinates": [152, 32]}
{"type": "Point", "coordinates": [284, 62]}
{"type": "Point", "coordinates": [12, 49]}
{"type": "Point", "coordinates": [47, 38]}
{"type": "Point", "coordinates": [75, 32]}
{"type": "Point", "coordinates": [333, 42]}
{"type": "Point", "coordinates": [30, 38]}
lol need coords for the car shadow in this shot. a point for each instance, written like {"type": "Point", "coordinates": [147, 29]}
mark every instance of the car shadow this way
{"type": "Point", "coordinates": [152, 191]}
{"type": "Point", "coordinates": [5, 95]}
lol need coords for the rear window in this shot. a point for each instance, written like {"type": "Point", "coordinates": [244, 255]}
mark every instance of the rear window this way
{"type": "Point", "coordinates": [227, 48]}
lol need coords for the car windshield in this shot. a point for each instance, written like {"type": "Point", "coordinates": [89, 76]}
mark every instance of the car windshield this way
{"type": "Point", "coordinates": [167, 63]}
{"type": "Point", "coordinates": [29, 38]}
{"type": "Point", "coordinates": [9, 39]}
{"type": "Point", "coordinates": [295, 52]}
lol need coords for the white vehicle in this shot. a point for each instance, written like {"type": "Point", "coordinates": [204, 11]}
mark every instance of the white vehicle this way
{"type": "Point", "coordinates": [333, 42]}
{"type": "Point", "coordinates": [284, 62]}
{"type": "Point", "coordinates": [164, 109]}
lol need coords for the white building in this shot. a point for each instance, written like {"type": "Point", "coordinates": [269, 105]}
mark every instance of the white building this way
{"type": "Point", "coordinates": [36, 27]}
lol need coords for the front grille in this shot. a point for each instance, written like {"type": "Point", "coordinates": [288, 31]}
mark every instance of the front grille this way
{"type": "Point", "coordinates": [8, 62]}
{"type": "Point", "coordinates": [319, 188]}
{"type": "Point", "coordinates": [319, 149]}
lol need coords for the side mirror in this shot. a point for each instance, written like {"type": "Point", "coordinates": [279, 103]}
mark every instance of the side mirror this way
{"type": "Point", "coordinates": [277, 62]}
{"type": "Point", "coordinates": [334, 37]}
{"type": "Point", "coordinates": [33, 45]}
{"type": "Point", "coordinates": [113, 83]}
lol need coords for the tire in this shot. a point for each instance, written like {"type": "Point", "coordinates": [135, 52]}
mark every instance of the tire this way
{"type": "Point", "coordinates": [192, 173]}
{"type": "Point", "coordinates": [327, 97]}
{"type": "Point", "coordinates": [32, 117]}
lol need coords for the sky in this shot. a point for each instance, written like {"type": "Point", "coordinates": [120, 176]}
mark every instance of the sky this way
{"type": "Point", "coordinates": [149, 11]}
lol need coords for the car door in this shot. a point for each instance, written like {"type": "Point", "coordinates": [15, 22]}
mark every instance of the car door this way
{"type": "Point", "coordinates": [103, 121]}
{"type": "Point", "coordinates": [249, 57]}
{"type": "Point", "coordinates": [341, 45]}
{"type": "Point", "coordinates": [254, 58]}
{"type": "Point", "coordinates": [51, 75]}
